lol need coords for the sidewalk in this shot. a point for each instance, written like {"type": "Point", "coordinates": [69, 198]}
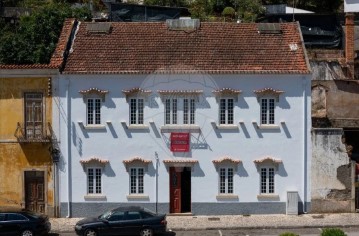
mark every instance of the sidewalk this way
{"type": "Point", "coordinates": [239, 221]}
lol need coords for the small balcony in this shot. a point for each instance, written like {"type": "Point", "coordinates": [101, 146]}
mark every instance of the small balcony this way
{"type": "Point", "coordinates": [35, 133]}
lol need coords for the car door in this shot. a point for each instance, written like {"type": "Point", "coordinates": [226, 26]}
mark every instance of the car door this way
{"type": "Point", "coordinates": [14, 222]}
{"type": "Point", "coordinates": [115, 224]}
{"type": "Point", "coordinates": [3, 226]}
{"type": "Point", "coordinates": [133, 223]}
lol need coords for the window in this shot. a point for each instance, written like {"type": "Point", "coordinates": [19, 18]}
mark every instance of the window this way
{"type": "Point", "coordinates": [94, 185]}
{"type": "Point", "coordinates": [267, 111]}
{"type": "Point", "coordinates": [176, 108]}
{"type": "Point", "coordinates": [34, 115]}
{"type": "Point", "coordinates": [226, 180]}
{"type": "Point", "coordinates": [136, 111]}
{"type": "Point", "coordinates": [136, 180]}
{"type": "Point", "coordinates": [116, 216]}
{"type": "Point", "coordinates": [2, 217]}
{"type": "Point", "coordinates": [226, 111]}
{"type": "Point", "coordinates": [188, 111]}
{"type": "Point", "coordinates": [16, 217]}
{"type": "Point", "coordinates": [93, 111]}
{"type": "Point", "coordinates": [267, 180]}
{"type": "Point", "coordinates": [133, 215]}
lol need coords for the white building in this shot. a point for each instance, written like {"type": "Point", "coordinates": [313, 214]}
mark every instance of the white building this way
{"type": "Point", "coordinates": [209, 118]}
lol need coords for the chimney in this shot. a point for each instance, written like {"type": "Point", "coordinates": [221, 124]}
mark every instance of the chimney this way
{"type": "Point", "coordinates": [349, 43]}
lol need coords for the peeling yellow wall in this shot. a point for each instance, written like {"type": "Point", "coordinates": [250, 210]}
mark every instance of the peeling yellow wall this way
{"type": "Point", "coordinates": [15, 158]}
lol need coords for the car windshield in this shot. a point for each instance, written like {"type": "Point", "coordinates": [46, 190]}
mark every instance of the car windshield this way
{"type": "Point", "coordinates": [105, 215]}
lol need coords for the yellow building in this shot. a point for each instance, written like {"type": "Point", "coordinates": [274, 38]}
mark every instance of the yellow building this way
{"type": "Point", "coordinates": [28, 154]}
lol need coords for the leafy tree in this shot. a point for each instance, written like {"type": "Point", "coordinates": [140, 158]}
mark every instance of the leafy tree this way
{"type": "Point", "coordinates": [168, 3]}
{"type": "Point", "coordinates": [200, 9]}
{"type": "Point", "coordinates": [34, 39]}
{"type": "Point", "coordinates": [249, 10]}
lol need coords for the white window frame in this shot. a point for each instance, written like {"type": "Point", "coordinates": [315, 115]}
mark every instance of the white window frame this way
{"type": "Point", "coordinates": [226, 180]}
{"type": "Point", "coordinates": [180, 111]}
{"type": "Point", "coordinates": [95, 184]}
{"type": "Point", "coordinates": [267, 180]}
{"type": "Point", "coordinates": [267, 111]}
{"type": "Point", "coordinates": [225, 113]}
{"type": "Point", "coordinates": [136, 181]}
{"type": "Point", "coordinates": [136, 111]}
{"type": "Point", "coordinates": [93, 111]}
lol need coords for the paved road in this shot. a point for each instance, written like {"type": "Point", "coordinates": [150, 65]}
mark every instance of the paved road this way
{"type": "Point", "coordinates": [353, 231]}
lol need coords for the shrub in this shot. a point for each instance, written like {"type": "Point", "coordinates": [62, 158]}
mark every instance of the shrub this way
{"type": "Point", "coordinates": [288, 234]}
{"type": "Point", "coordinates": [228, 12]}
{"type": "Point", "coordinates": [332, 232]}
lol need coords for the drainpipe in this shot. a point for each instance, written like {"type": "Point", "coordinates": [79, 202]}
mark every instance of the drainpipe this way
{"type": "Point", "coordinates": [68, 148]}
{"type": "Point", "coordinates": [305, 146]}
{"type": "Point", "coordinates": [156, 157]}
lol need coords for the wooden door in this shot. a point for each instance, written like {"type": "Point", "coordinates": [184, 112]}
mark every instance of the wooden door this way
{"type": "Point", "coordinates": [33, 115]}
{"type": "Point", "coordinates": [35, 191]}
{"type": "Point", "coordinates": [175, 191]}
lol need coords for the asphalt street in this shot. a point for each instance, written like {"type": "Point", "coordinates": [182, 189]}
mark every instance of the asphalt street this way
{"type": "Point", "coordinates": [352, 231]}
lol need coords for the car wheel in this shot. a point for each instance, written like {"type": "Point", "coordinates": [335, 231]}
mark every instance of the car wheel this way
{"type": "Point", "coordinates": [90, 232]}
{"type": "Point", "coordinates": [147, 232]}
{"type": "Point", "coordinates": [27, 232]}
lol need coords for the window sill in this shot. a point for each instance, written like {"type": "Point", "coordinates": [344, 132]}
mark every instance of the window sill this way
{"type": "Point", "coordinates": [95, 197]}
{"type": "Point", "coordinates": [227, 197]}
{"type": "Point", "coordinates": [138, 197]}
{"type": "Point", "coordinates": [268, 197]}
{"type": "Point", "coordinates": [91, 126]}
{"type": "Point", "coordinates": [138, 127]}
{"type": "Point", "coordinates": [188, 128]}
{"type": "Point", "coordinates": [268, 127]}
{"type": "Point", "coordinates": [227, 127]}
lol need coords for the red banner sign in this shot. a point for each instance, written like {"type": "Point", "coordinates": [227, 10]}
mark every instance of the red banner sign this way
{"type": "Point", "coordinates": [180, 142]}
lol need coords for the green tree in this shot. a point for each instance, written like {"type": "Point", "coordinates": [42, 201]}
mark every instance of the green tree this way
{"type": "Point", "coordinates": [249, 10]}
{"type": "Point", "coordinates": [34, 39]}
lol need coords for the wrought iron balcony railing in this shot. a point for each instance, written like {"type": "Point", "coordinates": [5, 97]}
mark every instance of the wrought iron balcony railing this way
{"type": "Point", "coordinates": [35, 133]}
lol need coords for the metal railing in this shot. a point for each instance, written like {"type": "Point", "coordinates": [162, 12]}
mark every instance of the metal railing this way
{"type": "Point", "coordinates": [41, 133]}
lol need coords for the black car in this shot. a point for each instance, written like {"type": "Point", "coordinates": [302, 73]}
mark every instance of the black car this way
{"type": "Point", "coordinates": [123, 221]}
{"type": "Point", "coordinates": [24, 223]}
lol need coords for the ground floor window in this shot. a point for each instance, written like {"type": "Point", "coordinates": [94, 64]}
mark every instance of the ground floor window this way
{"type": "Point", "coordinates": [94, 185]}
{"type": "Point", "coordinates": [136, 180]}
{"type": "Point", "coordinates": [226, 180]}
{"type": "Point", "coordinates": [267, 180]}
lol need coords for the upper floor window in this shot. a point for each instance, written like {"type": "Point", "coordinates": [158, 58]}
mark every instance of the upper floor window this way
{"type": "Point", "coordinates": [136, 180]}
{"type": "Point", "coordinates": [93, 98]}
{"type": "Point", "coordinates": [136, 111]}
{"type": "Point", "coordinates": [226, 107]}
{"type": "Point", "coordinates": [94, 182]}
{"type": "Point", "coordinates": [267, 111]}
{"type": "Point", "coordinates": [180, 111]}
{"type": "Point", "coordinates": [226, 180]}
{"type": "Point", "coordinates": [93, 111]}
{"type": "Point", "coordinates": [267, 99]}
{"type": "Point", "coordinates": [34, 115]}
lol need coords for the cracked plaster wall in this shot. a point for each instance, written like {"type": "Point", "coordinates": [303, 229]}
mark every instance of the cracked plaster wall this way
{"type": "Point", "coordinates": [331, 172]}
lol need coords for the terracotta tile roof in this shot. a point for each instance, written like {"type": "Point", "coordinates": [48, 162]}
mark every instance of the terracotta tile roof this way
{"type": "Point", "coordinates": [25, 67]}
{"type": "Point", "coordinates": [150, 47]}
{"type": "Point", "coordinates": [136, 159]}
{"type": "Point", "coordinates": [65, 36]}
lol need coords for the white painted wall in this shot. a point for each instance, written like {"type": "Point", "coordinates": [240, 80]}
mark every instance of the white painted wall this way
{"type": "Point", "coordinates": [115, 143]}
{"type": "Point", "coordinates": [351, 5]}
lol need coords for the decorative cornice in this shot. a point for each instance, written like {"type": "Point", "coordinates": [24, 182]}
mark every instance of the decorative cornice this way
{"type": "Point", "coordinates": [179, 92]}
{"type": "Point", "coordinates": [184, 162]}
{"type": "Point", "coordinates": [268, 91]}
{"type": "Point", "coordinates": [136, 159]}
{"type": "Point", "coordinates": [226, 91]}
{"type": "Point", "coordinates": [225, 159]}
{"type": "Point", "coordinates": [94, 90]}
{"type": "Point", "coordinates": [136, 90]}
{"type": "Point", "coordinates": [268, 159]}
{"type": "Point", "coordinates": [95, 160]}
